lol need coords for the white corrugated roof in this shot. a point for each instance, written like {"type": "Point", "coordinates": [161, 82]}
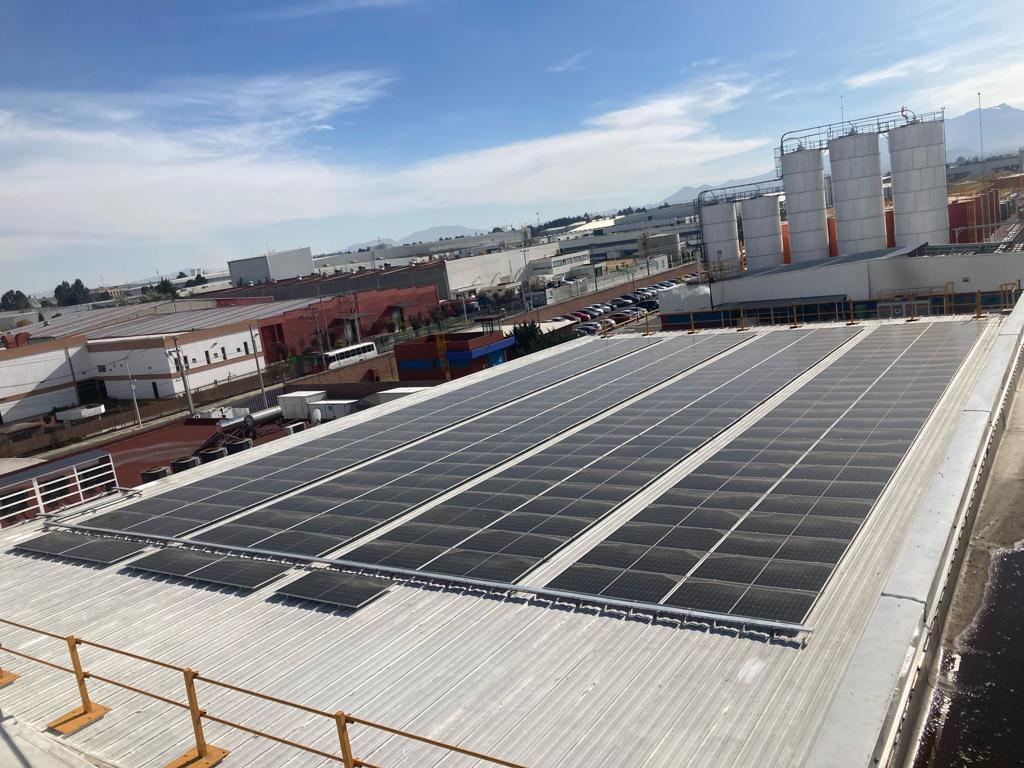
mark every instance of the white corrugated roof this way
{"type": "Point", "coordinates": [524, 680]}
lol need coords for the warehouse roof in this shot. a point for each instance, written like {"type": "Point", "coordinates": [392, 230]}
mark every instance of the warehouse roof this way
{"type": "Point", "coordinates": [519, 672]}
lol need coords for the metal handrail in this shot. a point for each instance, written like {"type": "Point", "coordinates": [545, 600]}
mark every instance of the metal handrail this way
{"type": "Point", "coordinates": [89, 711]}
{"type": "Point", "coordinates": [818, 136]}
{"type": "Point", "coordinates": [74, 485]}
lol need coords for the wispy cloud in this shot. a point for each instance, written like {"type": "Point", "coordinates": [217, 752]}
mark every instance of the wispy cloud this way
{"type": "Point", "coordinates": [134, 180]}
{"type": "Point", "coordinates": [320, 8]}
{"type": "Point", "coordinates": [213, 114]}
{"type": "Point", "coordinates": [951, 77]}
{"type": "Point", "coordinates": [572, 64]}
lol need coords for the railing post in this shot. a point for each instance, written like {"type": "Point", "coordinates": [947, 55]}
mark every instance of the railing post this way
{"type": "Point", "coordinates": [977, 305]}
{"type": "Point", "coordinates": [743, 322]}
{"type": "Point", "coordinates": [6, 676]}
{"type": "Point", "coordinates": [89, 711]}
{"type": "Point", "coordinates": [693, 328]}
{"type": "Point", "coordinates": [203, 755]}
{"type": "Point", "coordinates": [341, 719]}
{"type": "Point", "coordinates": [795, 323]}
{"type": "Point", "coordinates": [851, 321]}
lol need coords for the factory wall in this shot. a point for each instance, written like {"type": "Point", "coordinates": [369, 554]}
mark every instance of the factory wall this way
{"type": "Point", "coordinates": [491, 269]}
{"type": "Point", "coordinates": [36, 379]}
{"type": "Point", "coordinates": [859, 280]}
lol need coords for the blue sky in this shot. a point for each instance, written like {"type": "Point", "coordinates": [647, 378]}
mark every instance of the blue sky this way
{"type": "Point", "coordinates": [137, 137]}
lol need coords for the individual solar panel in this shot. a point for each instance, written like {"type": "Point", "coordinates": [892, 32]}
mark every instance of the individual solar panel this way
{"type": "Point", "coordinates": [102, 551]}
{"type": "Point", "coordinates": [346, 590]}
{"type": "Point", "coordinates": [211, 568]}
{"type": "Point", "coordinates": [51, 543]}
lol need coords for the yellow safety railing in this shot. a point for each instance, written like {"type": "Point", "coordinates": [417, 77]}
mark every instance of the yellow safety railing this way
{"type": "Point", "coordinates": [203, 754]}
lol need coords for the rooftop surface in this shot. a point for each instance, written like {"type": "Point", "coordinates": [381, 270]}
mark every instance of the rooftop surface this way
{"type": "Point", "coordinates": [487, 654]}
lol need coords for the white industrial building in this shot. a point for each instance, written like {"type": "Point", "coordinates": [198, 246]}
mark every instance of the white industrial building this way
{"type": "Point", "coordinates": [491, 270]}
{"type": "Point", "coordinates": [108, 351]}
{"type": "Point", "coordinates": [276, 265]}
{"type": "Point", "coordinates": [918, 275]}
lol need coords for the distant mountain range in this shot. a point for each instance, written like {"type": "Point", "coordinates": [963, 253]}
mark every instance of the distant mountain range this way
{"type": "Point", "coordinates": [689, 194]}
{"type": "Point", "coordinates": [1003, 127]}
{"type": "Point", "coordinates": [422, 236]}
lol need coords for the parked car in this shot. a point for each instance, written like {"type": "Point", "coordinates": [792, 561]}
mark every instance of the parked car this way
{"type": "Point", "coordinates": [594, 308]}
{"type": "Point", "coordinates": [588, 313]}
{"type": "Point", "coordinates": [607, 323]}
{"type": "Point", "coordinates": [650, 305]}
{"type": "Point", "coordinates": [586, 330]}
{"type": "Point", "coordinates": [622, 317]}
{"type": "Point", "coordinates": [582, 316]}
{"type": "Point", "coordinates": [562, 319]}
{"type": "Point", "coordinates": [617, 303]}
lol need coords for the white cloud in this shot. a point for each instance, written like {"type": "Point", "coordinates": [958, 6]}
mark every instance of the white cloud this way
{"type": "Point", "coordinates": [320, 8]}
{"type": "Point", "coordinates": [572, 64]}
{"type": "Point", "coordinates": [128, 180]}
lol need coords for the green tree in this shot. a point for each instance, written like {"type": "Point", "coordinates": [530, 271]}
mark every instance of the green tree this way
{"type": "Point", "coordinates": [181, 275]}
{"type": "Point", "coordinates": [69, 294]}
{"type": "Point", "coordinates": [14, 300]}
{"type": "Point", "coordinates": [530, 338]}
{"type": "Point", "coordinates": [165, 288]}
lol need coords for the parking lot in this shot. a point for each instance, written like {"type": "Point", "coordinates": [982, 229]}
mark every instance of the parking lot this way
{"type": "Point", "coordinates": [634, 309]}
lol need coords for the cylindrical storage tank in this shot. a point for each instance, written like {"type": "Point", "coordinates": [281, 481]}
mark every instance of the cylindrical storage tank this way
{"type": "Point", "coordinates": [185, 462]}
{"type": "Point", "coordinates": [156, 473]}
{"type": "Point", "coordinates": [762, 231]}
{"type": "Point", "coordinates": [917, 153]}
{"type": "Point", "coordinates": [803, 178]}
{"type": "Point", "coordinates": [720, 234]}
{"type": "Point", "coordinates": [857, 198]}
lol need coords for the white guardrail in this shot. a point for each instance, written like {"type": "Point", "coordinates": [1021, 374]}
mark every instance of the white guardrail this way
{"type": "Point", "coordinates": [55, 487]}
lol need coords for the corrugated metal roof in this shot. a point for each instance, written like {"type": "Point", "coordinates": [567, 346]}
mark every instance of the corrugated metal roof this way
{"type": "Point", "coordinates": [198, 319]}
{"type": "Point", "coordinates": [542, 684]}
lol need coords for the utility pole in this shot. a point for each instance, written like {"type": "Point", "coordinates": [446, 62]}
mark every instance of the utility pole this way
{"type": "Point", "coordinates": [184, 377]}
{"type": "Point", "coordinates": [259, 370]}
{"type": "Point", "coordinates": [135, 400]}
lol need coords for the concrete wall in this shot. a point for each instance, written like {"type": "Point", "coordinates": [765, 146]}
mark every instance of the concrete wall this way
{"type": "Point", "coordinates": [34, 380]}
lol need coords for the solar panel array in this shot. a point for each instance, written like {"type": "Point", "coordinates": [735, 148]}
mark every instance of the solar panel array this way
{"type": "Point", "coordinates": [501, 528]}
{"type": "Point", "coordinates": [177, 511]}
{"type": "Point", "coordinates": [757, 529]}
{"type": "Point", "coordinates": [324, 517]}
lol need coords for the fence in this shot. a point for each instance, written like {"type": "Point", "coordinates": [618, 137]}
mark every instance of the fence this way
{"type": "Point", "coordinates": [28, 493]}
{"type": "Point", "coordinates": [203, 754]}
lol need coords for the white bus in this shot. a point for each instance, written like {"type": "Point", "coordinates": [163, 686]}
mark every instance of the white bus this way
{"type": "Point", "coordinates": [337, 358]}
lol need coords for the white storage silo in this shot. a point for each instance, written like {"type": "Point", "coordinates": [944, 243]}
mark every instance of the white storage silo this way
{"type": "Point", "coordinates": [857, 197]}
{"type": "Point", "coordinates": [919, 198]}
{"type": "Point", "coordinates": [720, 234]}
{"type": "Point", "coordinates": [803, 178]}
{"type": "Point", "coordinates": [762, 231]}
